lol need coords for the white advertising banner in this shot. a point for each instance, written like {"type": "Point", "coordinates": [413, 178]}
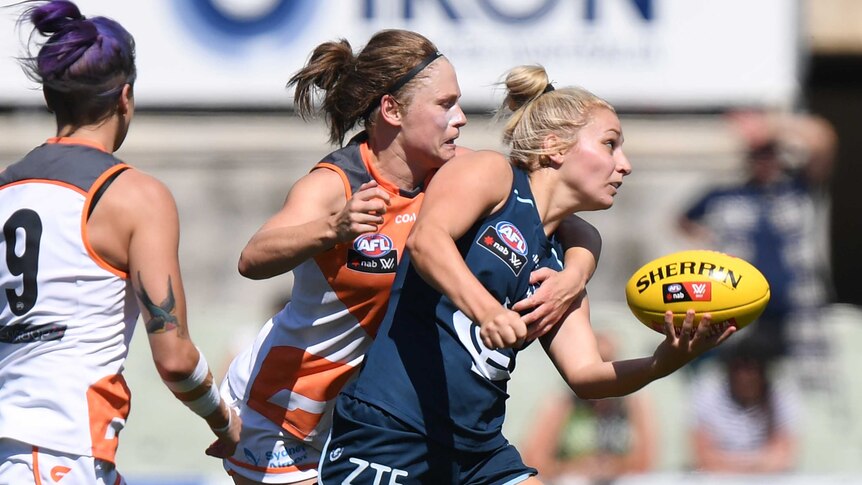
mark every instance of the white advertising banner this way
{"type": "Point", "coordinates": [640, 54]}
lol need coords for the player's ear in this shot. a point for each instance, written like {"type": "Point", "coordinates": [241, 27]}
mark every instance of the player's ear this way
{"type": "Point", "coordinates": [390, 110]}
{"type": "Point", "coordinates": [125, 100]}
{"type": "Point", "coordinates": [554, 148]}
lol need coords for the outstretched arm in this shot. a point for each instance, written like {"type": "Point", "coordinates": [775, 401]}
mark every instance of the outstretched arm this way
{"type": "Point", "coordinates": [572, 347]}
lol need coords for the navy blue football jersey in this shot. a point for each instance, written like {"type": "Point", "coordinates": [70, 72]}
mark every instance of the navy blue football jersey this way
{"type": "Point", "coordinates": [428, 365]}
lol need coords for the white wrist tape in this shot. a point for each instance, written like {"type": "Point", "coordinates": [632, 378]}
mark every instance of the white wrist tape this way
{"type": "Point", "coordinates": [197, 377]}
{"type": "Point", "coordinates": [226, 427]}
{"type": "Point", "coordinates": [206, 404]}
{"type": "Point", "coordinates": [209, 401]}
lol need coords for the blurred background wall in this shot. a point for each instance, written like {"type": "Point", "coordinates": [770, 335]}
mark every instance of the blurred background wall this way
{"type": "Point", "coordinates": [215, 123]}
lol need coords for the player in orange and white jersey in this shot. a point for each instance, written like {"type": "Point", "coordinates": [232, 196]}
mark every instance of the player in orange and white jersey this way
{"type": "Point", "coordinates": [342, 232]}
{"type": "Point", "coordinates": [89, 244]}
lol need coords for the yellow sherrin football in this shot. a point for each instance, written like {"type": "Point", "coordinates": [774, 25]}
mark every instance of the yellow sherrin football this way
{"type": "Point", "coordinates": [729, 288]}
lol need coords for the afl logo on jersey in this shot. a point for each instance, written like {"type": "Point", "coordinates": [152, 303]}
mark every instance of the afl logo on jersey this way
{"type": "Point", "coordinates": [511, 236]}
{"type": "Point", "coordinates": [373, 253]}
{"type": "Point", "coordinates": [373, 245]}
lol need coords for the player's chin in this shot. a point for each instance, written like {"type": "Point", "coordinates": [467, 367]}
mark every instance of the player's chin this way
{"type": "Point", "coordinates": [448, 150]}
{"type": "Point", "coordinates": [608, 199]}
{"type": "Point", "coordinates": [601, 204]}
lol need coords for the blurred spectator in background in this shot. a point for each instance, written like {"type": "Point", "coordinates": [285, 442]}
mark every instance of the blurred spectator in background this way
{"type": "Point", "coordinates": [744, 420]}
{"type": "Point", "coordinates": [773, 221]}
{"type": "Point", "coordinates": [592, 441]}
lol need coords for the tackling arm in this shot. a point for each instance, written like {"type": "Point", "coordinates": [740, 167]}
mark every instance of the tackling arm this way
{"type": "Point", "coordinates": [314, 218]}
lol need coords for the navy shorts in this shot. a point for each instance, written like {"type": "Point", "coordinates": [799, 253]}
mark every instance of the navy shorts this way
{"type": "Point", "coordinates": [368, 445]}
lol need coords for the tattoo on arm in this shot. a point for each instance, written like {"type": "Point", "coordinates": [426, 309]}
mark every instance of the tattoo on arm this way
{"type": "Point", "coordinates": [162, 316]}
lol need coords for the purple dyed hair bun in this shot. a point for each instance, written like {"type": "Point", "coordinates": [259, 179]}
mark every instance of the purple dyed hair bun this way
{"type": "Point", "coordinates": [84, 63]}
{"type": "Point", "coordinates": [54, 16]}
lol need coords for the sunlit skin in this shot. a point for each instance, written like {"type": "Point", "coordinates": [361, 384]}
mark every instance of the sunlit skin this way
{"type": "Point", "coordinates": [433, 120]}
{"type": "Point", "coordinates": [584, 177]}
{"type": "Point", "coordinates": [595, 166]}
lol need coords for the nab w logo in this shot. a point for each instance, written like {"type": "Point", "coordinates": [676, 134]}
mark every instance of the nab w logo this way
{"type": "Point", "coordinates": [505, 242]}
{"type": "Point", "coordinates": [516, 262]}
{"type": "Point", "coordinates": [373, 253]}
{"type": "Point", "coordinates": [688, 291]}
{"type": "Point", "coordinates": [701, 291]}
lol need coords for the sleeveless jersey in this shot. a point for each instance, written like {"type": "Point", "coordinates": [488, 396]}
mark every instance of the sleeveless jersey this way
{"type": "Point", "coordinates": [66, 316]}
{"type": "Point", "coordinates": [298, 365]}
{"type": "Point", "coordinates": [428, 365]}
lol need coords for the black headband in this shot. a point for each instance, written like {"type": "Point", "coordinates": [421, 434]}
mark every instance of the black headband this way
{"type": "Point", "coordinates": [413, 72]}
{"type": "Point", "coordinates": [548, 88]}
{"type": "Point", "coordinates": [405, 79]}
